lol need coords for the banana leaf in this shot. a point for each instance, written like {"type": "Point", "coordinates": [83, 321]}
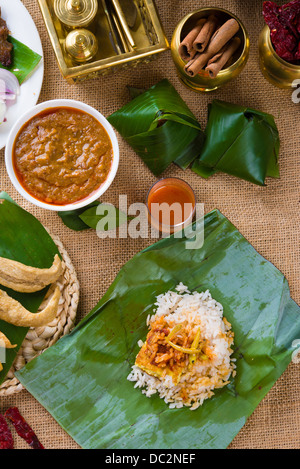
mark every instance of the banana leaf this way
{"type": "Point", "coordinates": [24, 60]}
{"type": "Point", "coordinates": [160, 127]}
{"type": "Point", "coordinates": [239, 141]}
{"type": "Point", "coordinates": [82, 381]}
{"type": "Point", "coordinates": [24, 239]}
{"type": "Point", "coordinates": [90, 216]}
{"type": "Point", "coordinates": [72, 218]}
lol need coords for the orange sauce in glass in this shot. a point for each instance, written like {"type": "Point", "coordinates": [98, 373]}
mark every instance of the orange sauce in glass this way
{"type": "Point", "coordinates": [171, 191]}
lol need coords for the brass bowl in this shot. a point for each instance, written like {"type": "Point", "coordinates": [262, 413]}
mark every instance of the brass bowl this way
{"type": "Point", "coordinates": [202, 82]}
{"type": "Point", "coordinates": [277, 71]}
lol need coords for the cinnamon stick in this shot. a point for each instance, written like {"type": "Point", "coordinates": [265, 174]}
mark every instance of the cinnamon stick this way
{"type": "Point", "coordinates": [204, 36]}
{"type": "Point", "coordinates": [218, 40]}
{"type": "Point", "coordinates": [185, 49]}
{"type": "Point", "coordinates": [217, 62]}
{"type": "Point", "coordinates": [217, 56]}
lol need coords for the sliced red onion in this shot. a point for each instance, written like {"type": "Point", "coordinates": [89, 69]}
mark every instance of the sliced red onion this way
{"type": "Point", "coordinates": [9, 86]}
{"type": "Point", "coordinates": [2, 111]}
{"type": "Point", "coordinates": [7, 97]}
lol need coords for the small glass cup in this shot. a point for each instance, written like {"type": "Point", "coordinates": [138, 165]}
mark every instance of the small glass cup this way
{"type": "Point", "coordinates": [277, 71]}
{"type": "Point", "coordinates": [160, 216]}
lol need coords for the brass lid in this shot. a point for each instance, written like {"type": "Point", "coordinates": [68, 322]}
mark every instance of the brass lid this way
{"type": "Point", "coordinates": [76, 13]}
{"type": "Point", "coordinates": [81, 45]}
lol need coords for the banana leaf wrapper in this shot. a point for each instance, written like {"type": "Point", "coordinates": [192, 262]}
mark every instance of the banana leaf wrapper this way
{"type": "Point", "coordinates": [25, 60]}
{"type": "Point", "coordinates": [82, 380]}
{"type": "Point", "coordinates": [160, 127]}
{"type": "Point", "coordinates": [23, 239]}
{"type": "Point", "coordinates": [239, 141]}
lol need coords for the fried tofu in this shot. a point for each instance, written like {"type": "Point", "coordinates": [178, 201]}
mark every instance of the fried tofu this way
{"type": "Point", "coordinates": [143, 362]}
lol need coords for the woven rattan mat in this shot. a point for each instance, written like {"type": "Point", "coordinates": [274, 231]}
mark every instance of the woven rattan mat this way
{"type": "Point", "coordinates": [268, 217]}
{"type": "Point", "coordinates": [39, 339]}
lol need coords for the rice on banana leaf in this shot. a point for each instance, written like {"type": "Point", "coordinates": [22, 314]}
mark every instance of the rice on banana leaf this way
{"type": "Point", "coordinates": [186, 355]}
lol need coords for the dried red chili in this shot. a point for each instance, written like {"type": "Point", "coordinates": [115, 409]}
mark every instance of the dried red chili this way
{"type": "Point", "coordinates": [22, 428]}
{"type": "Point", "coordinates": [298, 52]}
{"type": "Point", "coordinates": [289, 16]}
{"type": "Point", "coordinates": [6, 439]}
{"type": "Point", "coordinates": [284, 24]}
{"type": "Point", "coordinates": [271, 13]}
{"type": "Point", "coordinates": [285, 44]}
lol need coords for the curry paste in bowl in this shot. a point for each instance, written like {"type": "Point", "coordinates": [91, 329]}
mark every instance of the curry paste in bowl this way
{"type": "Point", "coordinates": [62, 155]}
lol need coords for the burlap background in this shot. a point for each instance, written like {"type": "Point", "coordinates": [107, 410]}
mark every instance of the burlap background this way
{"type": "Point", "coordinates": [268, 217]}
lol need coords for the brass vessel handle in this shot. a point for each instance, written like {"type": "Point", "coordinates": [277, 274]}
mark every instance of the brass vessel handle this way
{"type": "Point", "coordinates": [123, 22]}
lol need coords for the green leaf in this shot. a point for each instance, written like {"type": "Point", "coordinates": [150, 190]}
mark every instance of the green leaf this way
{"type": "Point", "coordinates": [187, 155]}
{"type": "Point", "coordinates": [72, 219]}
{"type": "Point", "coordinates": [160, 128]}
{"type": "Point", "coordinates": [90, 216]}
{"type": "Point", "coordinates": [239, 141]}
{"type": "Point", "coordinates": [4, 195]}
{"type": "Point", "coordinates": [82, 380]}
{"type": "Point", "coordinates": [24, 60]}
{"type": "Point", "coordinates": [24, 239]}
{"type": "Point", "coordinates": [107, 213]}
{"type": "Point", "coordinates": [135, 92]}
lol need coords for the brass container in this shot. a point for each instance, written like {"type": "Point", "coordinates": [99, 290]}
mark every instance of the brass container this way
{"type": "Point", "coordinates": [76, 13]}
{"type": "Point", "coordinates": [202, 82]}
{"type": "Point", "coordinates": [148, 35]}
{"type": "Point", "coordinates": [276, 70]}
{"type": "Point", "coordinates": [81, 45]}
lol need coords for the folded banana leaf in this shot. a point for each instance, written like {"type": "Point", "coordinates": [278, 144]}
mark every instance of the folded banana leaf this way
{"type": "Point", "coordinates": [24, 61]}
{"type": "Point", "coordinates": [160, 127]}
{"type": "Point", "coordinates": [82, 381]}
{"type": "Point", "coordinates": [24, 239]}
{"type": "Point", "coordinates": [239, 141]}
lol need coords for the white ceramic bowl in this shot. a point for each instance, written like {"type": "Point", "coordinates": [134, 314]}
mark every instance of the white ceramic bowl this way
{"type": "Point", "coordinates": [55, 103]}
